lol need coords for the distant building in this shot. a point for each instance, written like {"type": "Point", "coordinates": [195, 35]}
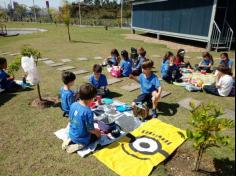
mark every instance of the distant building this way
{"type": "Point", "coordinates": [209, 21]}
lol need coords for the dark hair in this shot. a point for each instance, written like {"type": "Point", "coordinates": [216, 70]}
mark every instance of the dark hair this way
{"type": "Point", "coordinates": [125, 54]}
{"type": "Point", "coordinates": [87, 92]}
{"type": "Point", "coordinates": [143, 51]}
{"type": "Point", "coordinates": [167, 56]}
{"type": "Point", "coordinates": [180, 56]}
{"type": "Point", "coordinates": [225, 70]}
{"type": "Point", "coordinates": [208, 55]}
{"type": "Point", "coordinates": [147, 64]}
{"type": "Point", "coordinates": [115, 52]}
{"type": "Point", "coordinates": [2, 62]}
{"type": "Point", "coordinates": [68, 77]}
{"type": "Point", "coordinates": [97, 68]}
{"type": "Point", "coordinates": [225, 54]}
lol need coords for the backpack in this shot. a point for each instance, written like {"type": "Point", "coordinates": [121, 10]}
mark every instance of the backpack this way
{"type": "Point", "coordinates": [116, 72]}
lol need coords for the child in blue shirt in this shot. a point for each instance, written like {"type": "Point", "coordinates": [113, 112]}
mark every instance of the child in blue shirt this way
{"type": "Point", "coordinates": [7, 82]}
{"type": "Point", "coordinates": [99, 80]}
{"type": "Point", "coordinates": [206, 63]}
{"type": "Point", "coordinates": [170, 72]}
{"type": "Point", "coordinates": [114, 60]}
{"type": "Point", "coordinates": [68, 96]}
{"type": "Point", "coordinates": [150, 87]}
{"type": "Point", "coordinates": [126, 64]}
{"type": "Point", "coordinates": [81, 128]}
{"type": "Point", "coordinates": [137, 63]}
{"type": "Point", "coordinates": [225, 61]}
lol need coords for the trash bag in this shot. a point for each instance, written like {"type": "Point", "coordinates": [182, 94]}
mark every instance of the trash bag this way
{"type": "Point", "coordinates": [29, 67]}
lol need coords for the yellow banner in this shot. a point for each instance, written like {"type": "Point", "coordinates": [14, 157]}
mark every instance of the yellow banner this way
{"type": "Point", "coordinates": [137, 153]}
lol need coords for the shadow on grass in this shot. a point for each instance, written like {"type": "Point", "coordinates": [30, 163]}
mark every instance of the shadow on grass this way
{"type": "Point", "coordinates": [167, 109]}
{"type": "Point", "coordinates": [114, 95]}
{"type": "Point", "coordinates": [80, 41]}
{"type": "Point", "coordinates": [5, 97]}
{"type": "Point", "coordinates": [224, 167]}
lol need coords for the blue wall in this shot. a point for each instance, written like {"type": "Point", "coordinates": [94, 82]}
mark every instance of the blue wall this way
{"type": "Point", "coordinates": [179, 16]}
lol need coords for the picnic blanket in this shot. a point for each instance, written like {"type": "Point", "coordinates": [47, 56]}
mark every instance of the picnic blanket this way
{"type": "Point", "coordinates": [207, 79]}
{"type": "Point", "coordinates": [137, 153]}
{"type": "Point", "coordinates": [63, 134]}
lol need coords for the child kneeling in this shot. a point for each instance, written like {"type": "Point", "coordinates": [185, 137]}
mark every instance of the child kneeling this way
{"type": "Point", "coordinates": [81, 127]}
{"type": "Point", "coordinates": [150, 88]}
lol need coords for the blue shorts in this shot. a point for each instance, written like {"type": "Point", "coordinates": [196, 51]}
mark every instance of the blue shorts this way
{"type": "Point", "coordinates": [145, 98]}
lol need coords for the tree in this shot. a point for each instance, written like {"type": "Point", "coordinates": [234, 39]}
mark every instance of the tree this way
{"type": "Point", "coordinates": [28, 52]}
{"type": "Point", "coordinates": [55, 15]}
{"type": "Point", "coordinates": [208, 130]}
{"type": "Point", "coordinates": [20, 11]}
{"type": "Point", "coordinates": [14, 66]}
{"type": "Point", "coordinates": [66, 17]}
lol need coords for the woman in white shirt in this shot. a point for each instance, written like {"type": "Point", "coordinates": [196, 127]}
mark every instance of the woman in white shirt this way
{"type": "Point", "coordinates": [224, 83]}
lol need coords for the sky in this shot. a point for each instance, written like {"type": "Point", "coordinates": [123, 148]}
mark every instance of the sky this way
{"type": "Point", "coordinates": [41, 3]}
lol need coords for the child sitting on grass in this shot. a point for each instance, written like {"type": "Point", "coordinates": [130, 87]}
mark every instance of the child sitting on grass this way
{"type": "Point", "coordinates": [137, 64]}
{"type": "Point", "coordinates": [7, 82]}
{"type": "Point", "coordinates": [206, 63]}
{"type": "Point", "coordinates": [81, 127]}
{"type": "Point", "coordinates": [99, 80]}
{"type": "Point", "coordinates": [169, 70]}
{"type": "Point", "coordinates": [68, 96]}
{"type": "Point", "coordinates": [114, 60]}
{"type": "Point", "coordinates": [150, 88]}
{"type": "Point", "coordinates": [224, 83]}
{"type": "Point", "coordinates": [126, 64]}
{"type": "Point", "coordinates": [225, 61]}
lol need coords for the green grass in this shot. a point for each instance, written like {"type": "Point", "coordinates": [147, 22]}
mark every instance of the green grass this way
{"type": "Point", "coordinates": [28, 145]}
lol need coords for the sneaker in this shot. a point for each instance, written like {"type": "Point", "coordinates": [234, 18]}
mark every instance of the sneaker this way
{"type": "Point", "coordinates": [154, 114]}
{"type": "Point", "coordinates": [74, 148]}
{"type": "Point", "coordinates": [65, 144]}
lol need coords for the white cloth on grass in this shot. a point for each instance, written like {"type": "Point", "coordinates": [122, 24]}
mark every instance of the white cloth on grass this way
{"type": "Point", "coordinates": [63, 134]}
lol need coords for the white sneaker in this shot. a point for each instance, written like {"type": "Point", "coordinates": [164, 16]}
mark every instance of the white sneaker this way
{"type": "Point", "coordinates": [74, 148]}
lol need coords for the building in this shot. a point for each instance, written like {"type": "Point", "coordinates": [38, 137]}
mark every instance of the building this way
{"type": "Point", "coordinates": [208, 21]}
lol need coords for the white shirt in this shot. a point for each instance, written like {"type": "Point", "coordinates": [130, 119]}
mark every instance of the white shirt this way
{"type": "Point", "coordinates": [225, 85]}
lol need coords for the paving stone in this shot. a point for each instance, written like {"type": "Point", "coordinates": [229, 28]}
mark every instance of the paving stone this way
{"type": "Point", "coordinates": [65, 68]}
{"type": "Point", "coordinates": [98, 58]}
{"type": "Point", "coordinates": [83, 59]}
{"type": "Point", "coordinates": [56, 64]}
{"type": "Point", "coordinates": [165, 94]}
{"type": "Point", "coordinates": [131, 87]}
{"type": "Point", "coordinates": [156, 55]}
{"type": "Point", "coordinates": [229, 114]}
{"type": "Point", "coordinates": [80, 72]}
{"type": "Point", "coordinates": [49, 62]}
{"type": "Point", "coordinates": [113, 81]}
{"type": "Point", "coordinates": [5, 53]}
{"type": "Point", "coordinates": [43, 59]}
{"type": "Point", "coordinates": [185, 103]}
{"type": "Point", "coordinates": [66, 60]}
{"type": "Point", "coordinates": [14, 54]}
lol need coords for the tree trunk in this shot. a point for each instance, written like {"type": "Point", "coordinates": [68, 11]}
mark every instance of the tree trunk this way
{"type": "Point", "coordinates": [39, 92]}
{"type": "Point", "coordinates": [68, 30]}
{"type": "Point", "coordinates": [199, 158]}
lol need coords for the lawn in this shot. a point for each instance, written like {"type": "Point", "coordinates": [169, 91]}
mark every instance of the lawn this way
{"type": "Point", "coordinates": [28, 145]}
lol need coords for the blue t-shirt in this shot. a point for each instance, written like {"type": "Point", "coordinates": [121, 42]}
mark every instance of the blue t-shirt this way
{"type": "Point", "coordinates": [229, 63]}
{"type": "Point", "coordinates": [81, 123]}
{"type": "Point", "coordinates": [102, 82]}
{"type": "Point", "coordinates": [138, 65]}
{"type": "Point", "coordinates": [114, 60]}
{"type": "Point", "coordinates": [67, 99]}
{"type": "Point", "coordinates": [206, 62]}
{"type": "Point", "coordinates": [4, 83]}
{"type": "Point", "coordinates": [150, 84]}
{"type": "Point", "coordinates": [126, 66]}
{"type": "Point", "coordinates": [166, 69]}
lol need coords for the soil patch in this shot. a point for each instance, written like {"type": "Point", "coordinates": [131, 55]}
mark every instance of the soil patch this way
{"type": "Point", "coordinates": [46, 102]}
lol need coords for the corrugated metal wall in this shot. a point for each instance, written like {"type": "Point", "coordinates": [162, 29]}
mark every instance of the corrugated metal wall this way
{"type": "Point", "coordinates": [180, 16]}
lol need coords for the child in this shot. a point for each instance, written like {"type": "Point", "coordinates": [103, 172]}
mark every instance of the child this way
{"type": "Point", "coordinates": [81, 127]}
{"type": "Point", "coordinates": [114, 60]}
{"type": "Point", "coordinates": [7, 82]}
{"type": "Point", "coordinates": [206, 63]}
{"type": "Point", "coordinates": [99, 80]}
{"type": "Point", "coordinates": [224, 83]}
{"type": "Point", "coordinates": [226, 61]}
{"type": "Point", "coordinates": [137, 64]}
{"type": "Point", "coordinates": [169, 71]}
{"type": "Point", "coordinates": [126, 64]}
{"type": "Point", "coordinates": [150, 88]}
{"type": "Point", "coordinates": [68, 96]}
{"type": "Point", "coordinates": [180, 60]}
